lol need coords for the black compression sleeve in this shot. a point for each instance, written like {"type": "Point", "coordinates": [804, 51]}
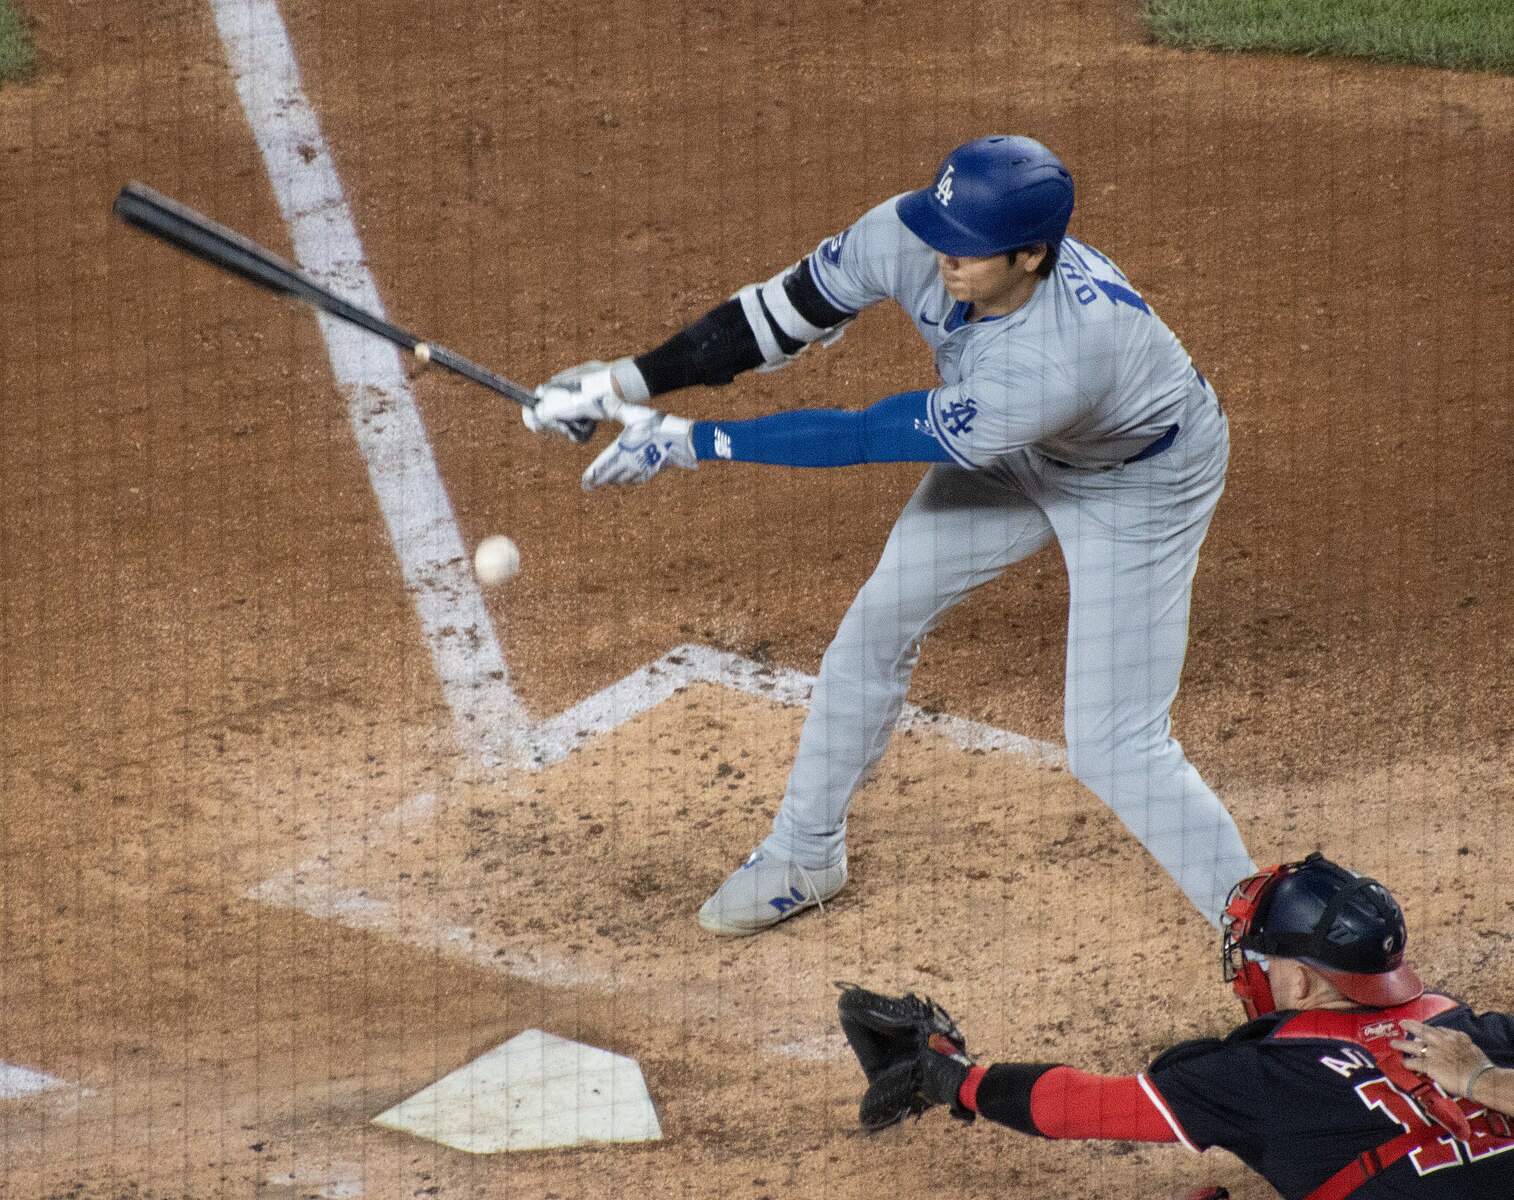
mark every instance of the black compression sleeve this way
{"type": "Point", "coordinates": [712, 351]}
{"type": "Point", "coordinates": [808, 300]}
{"type": "Point", "coordinates": [1004, 1094]}
{"type": "Point", "coordinates": [720, 345]}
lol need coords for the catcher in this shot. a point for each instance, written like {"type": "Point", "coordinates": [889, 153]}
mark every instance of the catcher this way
{"type": "Point", "coordinates": [1317, 1092]}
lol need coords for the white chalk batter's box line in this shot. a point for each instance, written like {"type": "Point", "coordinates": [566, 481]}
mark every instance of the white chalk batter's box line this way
{"type": "Point", "coordinates": [302, 887]}
{"type": "Point", "coordinates": [645, 688]}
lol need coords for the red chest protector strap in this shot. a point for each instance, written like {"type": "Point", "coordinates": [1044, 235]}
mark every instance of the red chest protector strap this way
{"type": "Point", "coordinates": [1373, 1031]}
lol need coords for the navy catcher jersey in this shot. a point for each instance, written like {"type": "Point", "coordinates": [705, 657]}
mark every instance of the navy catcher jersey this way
{"type": "Point", "coordinates": [1296, 1109]}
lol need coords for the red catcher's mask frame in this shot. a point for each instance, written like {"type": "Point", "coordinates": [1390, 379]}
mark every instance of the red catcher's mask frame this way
{"type": "Point", "coordinates": [1246, 977]}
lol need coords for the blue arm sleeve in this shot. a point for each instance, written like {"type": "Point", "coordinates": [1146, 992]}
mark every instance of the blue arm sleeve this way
{"type": "Point", "coordinates": [895, 429]}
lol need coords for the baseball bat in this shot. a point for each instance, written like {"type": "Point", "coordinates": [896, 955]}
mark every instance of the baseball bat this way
{"type": "Point", "coordinates": [179, 225]}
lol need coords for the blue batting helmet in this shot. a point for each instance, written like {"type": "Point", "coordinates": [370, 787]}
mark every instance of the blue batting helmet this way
{"type": "Point", "coordinates": [992, 195]}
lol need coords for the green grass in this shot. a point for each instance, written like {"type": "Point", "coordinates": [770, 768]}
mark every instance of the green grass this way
{"type": "Point", "coordinates": [1462, 34]}
{"type": "Point", "coordinates": [15, 46]}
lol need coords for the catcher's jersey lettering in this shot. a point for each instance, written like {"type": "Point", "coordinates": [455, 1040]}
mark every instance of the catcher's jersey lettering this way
{"type": "Point", "coordinates": [1350, 1060]}
{"type": "Point", "coordinates": [1443, 1152]}
{"type": "Point", "coordinates": [1297, 1111]}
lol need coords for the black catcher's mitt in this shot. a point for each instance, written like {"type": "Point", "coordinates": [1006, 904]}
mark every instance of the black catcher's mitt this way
{"type": "Point", "coordinates": [895, 1039]}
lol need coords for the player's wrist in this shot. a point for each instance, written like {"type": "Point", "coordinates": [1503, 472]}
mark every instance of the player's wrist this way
{"type": "Point", "coordinates": [1474, 1078]}
{"type": "Point", "coordinates": [628, 381]}
{"type": "Point", "coordinates": [967, 1094]}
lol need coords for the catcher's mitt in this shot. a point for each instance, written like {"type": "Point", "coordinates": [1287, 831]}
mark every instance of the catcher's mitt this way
{"type": "Point", "coordinates": [891, 1037]}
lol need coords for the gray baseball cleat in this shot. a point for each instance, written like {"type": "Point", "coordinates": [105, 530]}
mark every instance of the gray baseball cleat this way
{"type": "Point", "coordinates": [765, 890]}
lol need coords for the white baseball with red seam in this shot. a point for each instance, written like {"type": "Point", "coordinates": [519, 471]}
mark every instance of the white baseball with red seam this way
{"type": "Point", "coordinates": [496, 559]}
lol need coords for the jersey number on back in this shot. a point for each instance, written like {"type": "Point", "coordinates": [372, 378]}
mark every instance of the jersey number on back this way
{"type": "Point", "coordinates": [1439, 1154]}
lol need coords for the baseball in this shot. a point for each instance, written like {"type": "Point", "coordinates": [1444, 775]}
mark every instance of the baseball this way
{"type": "Point", "coordinates": [423, 351]}
{"type": "Point", "coordinates": [496, 559]}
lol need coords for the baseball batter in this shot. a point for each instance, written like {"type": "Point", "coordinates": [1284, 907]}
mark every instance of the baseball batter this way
{"type": "Point", "coordinates": [1349, 1078]}
{"type": "Point", "coordinates": [1065, 408]}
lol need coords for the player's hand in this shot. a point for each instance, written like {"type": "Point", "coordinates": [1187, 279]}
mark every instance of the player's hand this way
{"type": "Point", "coordinates": [583, 393]}
{"type": "Point", "coordinates": [650, 441]}
{"type": "Point", "coordinates": [1446, 1056]}
{"type": "Point", "coordinates": [944, 1066]}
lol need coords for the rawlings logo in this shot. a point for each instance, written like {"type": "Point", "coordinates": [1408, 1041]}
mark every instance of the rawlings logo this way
{"type": "Point", "coordinates": [1381, 1029]}
{"type": "Point", "coordinates": [959, 416]}
{"type": "Point", "coordinates": [944, 185]}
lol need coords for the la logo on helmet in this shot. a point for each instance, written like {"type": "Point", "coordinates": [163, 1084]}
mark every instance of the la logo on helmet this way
{"type": "Point", "coordinates": [944, 187]}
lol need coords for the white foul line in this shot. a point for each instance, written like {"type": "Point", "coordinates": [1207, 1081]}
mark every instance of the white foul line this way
{"type": "Point", "coordinates": [489, 718]}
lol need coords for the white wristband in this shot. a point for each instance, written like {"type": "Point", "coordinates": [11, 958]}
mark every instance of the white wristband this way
{"type": "Point", "coordinates": [629, 379]}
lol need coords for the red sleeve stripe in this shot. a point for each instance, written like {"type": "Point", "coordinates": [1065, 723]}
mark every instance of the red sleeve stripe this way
{"type": "Point", "coordinates": [967, 1094]}
{"type": "Point", "coordinates": [1068, 1103]}
{"type": "Point", "coordinates": [1160, 1103]}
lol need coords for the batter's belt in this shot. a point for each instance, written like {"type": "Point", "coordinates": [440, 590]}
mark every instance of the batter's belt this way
{"type": "Point", "coordinates": [1162, 441]}
{"type": "Point", "coordinates": [1151, 450]}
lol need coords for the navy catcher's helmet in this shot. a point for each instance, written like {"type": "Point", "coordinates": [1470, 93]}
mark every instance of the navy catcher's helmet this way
{"type": "Point", "coordinates": [1347, 927]}
{"type": "Point", "coordinates": [991, 196]}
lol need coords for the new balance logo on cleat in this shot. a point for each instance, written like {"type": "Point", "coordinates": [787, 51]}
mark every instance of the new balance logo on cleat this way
{"type": "Point", "coordinates": [764, 891]}
{"type": "Point", "coordinates": [722, 443]}
{"type": "Point", "coordinates": [788, 903]}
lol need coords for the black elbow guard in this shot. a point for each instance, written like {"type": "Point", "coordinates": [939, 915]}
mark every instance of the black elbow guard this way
{"type": "Point", "coordinates": [764, 326]}
{"type": "Point", "coordinates": [712, 351]}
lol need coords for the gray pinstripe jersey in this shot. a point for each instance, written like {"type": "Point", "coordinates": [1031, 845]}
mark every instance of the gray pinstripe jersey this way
{"type": "Point", "coordinates": [1083, 372]}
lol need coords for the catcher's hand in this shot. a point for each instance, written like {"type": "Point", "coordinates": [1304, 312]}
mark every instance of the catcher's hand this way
{"type": "Point", "coordinates": [911, 1052]}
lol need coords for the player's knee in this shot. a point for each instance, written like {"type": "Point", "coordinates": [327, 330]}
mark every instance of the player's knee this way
{"type": "Point", "coordinates": [1105, 760]}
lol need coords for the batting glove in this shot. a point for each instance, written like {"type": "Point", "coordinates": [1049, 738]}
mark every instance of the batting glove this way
{"type": "Point", "coordinates": [650, 442]}
{"type": "Point", "coordinates": [582, 393]}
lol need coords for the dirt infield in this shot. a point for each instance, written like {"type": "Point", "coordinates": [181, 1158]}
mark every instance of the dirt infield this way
{"type": "Point", "coordinates": [215, 692]}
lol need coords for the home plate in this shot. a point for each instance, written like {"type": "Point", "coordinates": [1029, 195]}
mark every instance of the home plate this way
{"type": "Point", "coordinates": [535, 1091]}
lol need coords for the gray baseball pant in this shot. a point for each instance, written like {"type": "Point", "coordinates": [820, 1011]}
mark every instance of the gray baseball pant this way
{"type": "Point", "coordinates": [1130, 538]}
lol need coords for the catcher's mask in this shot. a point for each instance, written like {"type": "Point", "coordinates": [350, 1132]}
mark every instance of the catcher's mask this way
{"type": "Point", "coordinates": [1344, 925]}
